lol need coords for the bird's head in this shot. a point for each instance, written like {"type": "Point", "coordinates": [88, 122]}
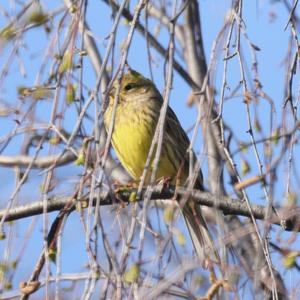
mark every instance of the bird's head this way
{"type": "Point", "coordinates": [134, 86]}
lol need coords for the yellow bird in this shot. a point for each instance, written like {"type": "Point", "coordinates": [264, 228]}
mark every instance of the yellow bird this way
{"type": "Point", "coordinates": [137, 114]}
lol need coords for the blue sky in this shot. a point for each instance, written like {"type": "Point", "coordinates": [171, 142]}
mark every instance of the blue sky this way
{"type": "Point", "coordinates": [263, 30]}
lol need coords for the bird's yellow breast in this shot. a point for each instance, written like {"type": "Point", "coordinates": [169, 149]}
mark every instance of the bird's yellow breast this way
{"type": "Point", "coordinates": [132, 136]}
{"type": "Point", "coordinates": [137, 114]}
{"type": "Point", "coordinates": [134, 128]}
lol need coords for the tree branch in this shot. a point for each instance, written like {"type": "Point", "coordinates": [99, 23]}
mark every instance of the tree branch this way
{"type": "Point", "coordinates": [289, 217]}
{"type": "Point", "coordinates": [39, 163]}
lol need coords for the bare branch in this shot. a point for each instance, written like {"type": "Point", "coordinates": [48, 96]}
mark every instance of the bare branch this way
{"type": "Point", "coordinates": [290, 219]}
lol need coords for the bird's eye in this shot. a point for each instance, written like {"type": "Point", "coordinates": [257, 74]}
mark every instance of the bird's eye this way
{"type": "Point", "coordinates": [128, 87]}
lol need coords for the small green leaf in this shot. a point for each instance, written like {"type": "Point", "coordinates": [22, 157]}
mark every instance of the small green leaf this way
{"type": "Point", "coordinates": [73, 9]}
{"type": "Point", "coordinates": [257, 125]}
{"type": "Point", "coordinates": [52, 254]}
{"type": "Point", "coordinates": [14, 264]}
{"type": "Point", "coordinates": [54, 140]}
{"type": "Point", "coordinates": [70, 93]}
{"type": "Point", "coordinates": [8, 285]}
{"type": "Point", "coordinates": [292, 198]}
{"type": "Point", "coordinates": [245, 167]}
{"type": "Point", "coordinates": [80, 160]}
{"type": "Point", "coordinates": [7, 33]}
{"type": "Point", "coordinates": [4, 268]}
{"type": "Point", "coordinates": [132, 274]}
{"type": "Point", "coordinates": [243, 147]}
{"type": "Point", "coordinates": [38, 18]}
{"type": "Point", "coordinates": [168, 214]}
{"type": "Point", "coordinates": [66, 62]}
{"type": "Point", "coordinates": [37, 93]}
{"type": "Point", "coordinates": [289, 260]}
{"type": "Point", "coordinates": [275, 136]}
{"type": "Point", "coordinates": [2, 236]}
{"type": "Point", "coordinates": [180, 238]}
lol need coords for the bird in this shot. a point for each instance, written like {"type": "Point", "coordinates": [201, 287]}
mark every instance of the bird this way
{"type": "Point", "coordinates": [136, 117]}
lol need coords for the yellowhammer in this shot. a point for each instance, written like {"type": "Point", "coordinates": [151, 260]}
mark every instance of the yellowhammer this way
{"type": "Point", "coordinates": [137, 114]}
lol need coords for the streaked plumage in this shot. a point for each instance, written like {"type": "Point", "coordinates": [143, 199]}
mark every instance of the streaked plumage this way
{"type": "Point", "coordinates": [136, 118]}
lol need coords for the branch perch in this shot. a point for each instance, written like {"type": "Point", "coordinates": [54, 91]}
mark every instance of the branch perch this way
{"type": "Point", "coordinates": [289, 216]}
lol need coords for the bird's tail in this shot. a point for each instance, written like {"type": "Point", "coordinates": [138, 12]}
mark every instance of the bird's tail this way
{"type": "Point", "coordinates": [199, 233]}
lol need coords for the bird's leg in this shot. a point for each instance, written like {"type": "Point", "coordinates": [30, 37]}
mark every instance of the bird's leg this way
{"type": "Point", "coordinates": [128, 190]}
